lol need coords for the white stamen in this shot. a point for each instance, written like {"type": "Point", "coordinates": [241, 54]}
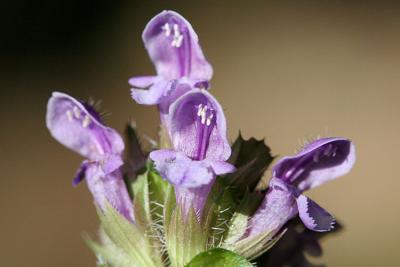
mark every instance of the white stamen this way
{"type": "Point", "coordinates": [208, 123]}
{"type": "Point", "coordinates": [200, 108]}
{"type": "Point", "coordinates": [177, 42]}
{"type": "Point", "coordinates": [178, 37]}
{"type": "Point", "coordinates": [203, 118]}
{"type": "Point", "coordinates": [202, 112]}
{"type": "Point", "coordinates": [167, 29]}
{"type": "Point", "coordinates": [176, 30]}
{"type": "Point", "coordinates": [69, 115]}
{"type": "Point", "coordinates": [86, 121]}
{"type": "Point", "coordinates": [77, 112]}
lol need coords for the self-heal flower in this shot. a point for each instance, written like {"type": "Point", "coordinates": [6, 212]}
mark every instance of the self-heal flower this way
{"type": "Point", "coordinates": [78, 126]}
{"type": "Point", "coordinates": [174, 49]}
{"type": "Point", "coordinates": [198, 135]}
{"type": "Point", "coordinates": [322, 160]}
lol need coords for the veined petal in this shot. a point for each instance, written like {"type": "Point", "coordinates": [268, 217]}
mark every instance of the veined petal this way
{"type": "Point", "coordinates": [149, 90]}
{"type": "Point", "coordinates": [195, 198]}
{"type": "Point", "coordinates": [81, 173]}
{"type": "Point", "coordinates": [313, 216]}
{"type": "Point", "coordinates": [77, 126]}
{"type": "Point", "coordinates": [110, 163]}
{"type": "Point", "coordinates": [222, 167]}
{"type": "Point", "coordinates": [173, 47]}
{"type": "Point", "coordinates": [198, 126]}
{"type": "Point", "coordinates": [109, 187]}
{"type": "Point", "coordinates": [180, 170]}
{"type": "Point", "coordinates": [278, 207]}
{"type": "Point", "coordinates": [322, 160]}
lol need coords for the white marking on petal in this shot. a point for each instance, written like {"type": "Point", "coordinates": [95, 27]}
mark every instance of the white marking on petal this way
{"type": "Point", "coordinates": [86, 121]}
{"type": "Point", "coordinates": [178, 37]}
{"type": "Point", "coordinates": [69, 115]}
{"type": "Point", "coordinates": [77, 112]}
{"type": "Point", "coordinates": [167, 29]}
{"type": "Point", "coordinates": [200, 108]}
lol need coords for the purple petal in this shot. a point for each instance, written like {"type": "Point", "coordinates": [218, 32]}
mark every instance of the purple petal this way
{"type": "Point", "coordinates": [313, 216]}
{"type": "Point", "coordinates": [177, 89]}
{"type": "Point", "coordinates": [222, 167]}
{"type": "Point", "coordinates": [323, 160]}
{"type": "Point", "coordinates": [77, 126]}
{"type": "Point", "coordinates": [193, 198]}
{"type": "Point", "coordinates": [110, 163]}
{"type": "Point", "coordinates": [278, 207]}
{"type": "Point", "coordinates": [149, 90]}
{"type": "Point", "coordinates": [109, 187]}
{"type": "Point", "coordinates": [198, 126]}
{"type": "Point", "coordinates": [174, 48]}
{"type": "Point", "coordinates": [180, 170]}
{"type": "Point", "coordinates": [81, 173]}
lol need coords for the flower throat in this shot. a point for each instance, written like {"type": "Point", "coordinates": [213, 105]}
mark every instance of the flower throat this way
{"type": "Point", "coordinates": [205, 123]}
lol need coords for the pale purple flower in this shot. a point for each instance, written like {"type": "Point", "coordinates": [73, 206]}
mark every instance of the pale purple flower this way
{"type": "Point", "coordinates": [174, 49]}
{"type": "Point", "coordinates": [322, 160]}
{"type": "Point", "coordinates": [200, 146]}
{"type": "Point", "coordinates": [78, 126]}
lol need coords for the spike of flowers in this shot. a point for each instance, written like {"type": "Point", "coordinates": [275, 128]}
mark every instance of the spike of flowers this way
{"type": "Point", "coordinates": [181, 206]}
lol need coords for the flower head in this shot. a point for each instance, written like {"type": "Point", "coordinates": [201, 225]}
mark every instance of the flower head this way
{"type": "Point", "coordinates": [78, 126]}
{"type": "Point", "coordinates": [198, 133]}
{"type": "Point", "coordinates": [197, 126]}
{"type": "Point", "coordinates": [322, 160]}
{"type": "Point", "coordinates": [174, 49]}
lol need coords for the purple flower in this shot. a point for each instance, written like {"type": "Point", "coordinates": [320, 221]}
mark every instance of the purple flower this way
{"type": "Point", "coordinates": [78, 126]}
{"type": "Point", "coordinates": [322, 160]}
{"type": "Point", "coordinates": [174, 49]}
{"type": "Point", "coordinates": [198, 134]}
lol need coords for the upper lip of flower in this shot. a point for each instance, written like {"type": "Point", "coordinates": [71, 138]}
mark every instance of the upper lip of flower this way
{"type": "Point", "coordinates": [320, 161]}
{"type": "Point", "coordinates": [198, 126]}
{"type": "Point", "coordinates": [78, 127]}
{"type": "Point", "coordinates": [173, 47]}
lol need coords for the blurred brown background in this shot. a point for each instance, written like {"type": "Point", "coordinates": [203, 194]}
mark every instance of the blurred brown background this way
{"type": "Point", "coordinates": [284, 70]}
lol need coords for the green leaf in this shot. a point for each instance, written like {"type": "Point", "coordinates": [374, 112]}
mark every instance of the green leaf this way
{"type": "Point", "coordinates": [169, 206]}
{"type": "Point", "coordinates": [251, 158]}
{"type": "Point", "coordinates": [239, 222]}
{"type": "Point", "coordinates": [158, 189]}
{"type": "Point", "coordinates": [219, 257]}
{"type": "Point", "coordinates": [185, 237]}
{"type": "Point", "coordinates": [142, 201]}
{"type": "Point", "coordinates": [108, 254]}
{"type": "Point", "coordinates": [253, 247]}
{"type": "Point", "coordinates": [218, 212]}
{"type": "Point", "coordinates": [150, 191]}
{"type": "Point", "coordinates": [134, 156]}
{"type": "Point", "coordinates": [127, 237]}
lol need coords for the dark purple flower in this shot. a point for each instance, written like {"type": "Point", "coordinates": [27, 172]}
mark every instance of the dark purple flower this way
{"type": "Point", "coordinates": [322, 160]}
{"type": "Point", "coordinates": [198, 134]}
{"type": "Point", "coordinates": [78, 126]}
{"type": "Point", "coordinates": [174, 49]}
